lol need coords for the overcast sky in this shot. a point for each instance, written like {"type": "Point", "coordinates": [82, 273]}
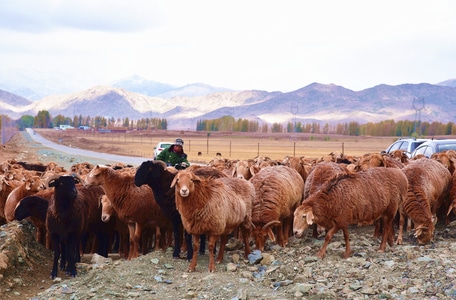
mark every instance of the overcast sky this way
{"type": "Point", "coordinates": [265, 45]}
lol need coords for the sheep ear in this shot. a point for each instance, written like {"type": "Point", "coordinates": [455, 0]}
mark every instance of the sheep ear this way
{"type": "Point", "coordinates": [253, 169]}
{"type": "Point", "coordinates": [173, 183]}
{"type": "Point", "coordinates": [309, 217]}
{"type": "Point", "coordinates": [196, 178]}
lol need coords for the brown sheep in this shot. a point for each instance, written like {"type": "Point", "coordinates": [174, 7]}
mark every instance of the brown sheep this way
{"type": "Point", "coordinates": [452, 206]}
{"type": "Point", "coordinates": [400, 155]}
{"type": "Point", "coordinates": [445, 159]}
{"type": "Point", "coordinates": [6, 187]}
{"type": "Point", "coordinates": [134, 205]}
{"type": "Point", "coordinates": [244, 169]}
{"type": "Point", "coordinates": [318, 175]}
{"type": "Point", "coordinates": [354, 198]}
{"type": "Point", "coordinates": [30, 186]}
{"type": "Point", "coordinates": [298, 164]}
{"type": "Point", "coordinates": [215, 207]}
{"type": "Point", "coordinates": [373, 160]}
{"type": "Point", "coordinates": [278, 191]}
{"type": "Point", "coordinates": [108, 214]}
{"type": "Point", "coordinates": [158, 177]}
{"type": "Point", "coordinates": [429, 186]}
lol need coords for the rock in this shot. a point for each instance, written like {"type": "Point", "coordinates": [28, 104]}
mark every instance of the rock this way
{"type": "Point", "coordinates": [303, 288]}
{"type": "Point", "coordinates": [230, 267]}
{"type": "Point", "coordinates": [267, 259]}
{"type": "Point", "coordinates": [255, 257]}
{"type": "Point", "coordinates": [98, 259]}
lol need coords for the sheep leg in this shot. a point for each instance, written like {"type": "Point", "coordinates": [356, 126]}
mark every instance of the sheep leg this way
{"type": "Point", "coordinates": [63, 256]}
{"type": "Point", "coordinates": [321, 253]}
{"type": "Point", "coordinates": [401, 228]}
{"type": "Point", "coordinates": [202, 249]}
{"type": "Point", "coordinates": [314, 231]}
{"type": "Point", "coordinates": [196, 241]}
{"type": "Point", "coordinates": [72, 253]}
{"type": "Point", "coordinates": [287, 225]}
{"type": "Point", "coordinates": [347, 242]}
{"type": "Point", "coordinates": [245, 236]}
{"type": "Point", "coordinates": [188, 241]}
{"type": "Point", "coordinates": [56, 246]}
{"type": "Point", "coordinates": [134, 231]}
{"type": "Point", "coordinates": [223, 241]}
{"type": "Point", "coordinates": [177, 239]}
{"type": "Point", "coordinates": [211, 247]}
{"type": "Point", "coordinates": [387, 234]}
{"type": "Point", "coordinates": [280, 236]}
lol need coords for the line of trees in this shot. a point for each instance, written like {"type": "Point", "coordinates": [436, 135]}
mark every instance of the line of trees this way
{"type": "Point", "coordinates": [44, 120]}
{"type": "Point", "coordinates": [228, 123]}
{"type": "Point", "coordinates": [382, 128]}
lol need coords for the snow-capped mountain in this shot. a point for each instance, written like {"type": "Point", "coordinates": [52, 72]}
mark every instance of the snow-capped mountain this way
{"type": "Point", "coordinates": [322, 103]}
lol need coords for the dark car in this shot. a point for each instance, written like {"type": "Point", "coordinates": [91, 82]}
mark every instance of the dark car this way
{"type": "Point", "coordinates": [406, 144]}
{"type": "Point", "coordinates": [434, 146]}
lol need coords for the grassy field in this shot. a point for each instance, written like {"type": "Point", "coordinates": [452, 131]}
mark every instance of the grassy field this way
{"type": "Point", "coordinates": [202, 147]}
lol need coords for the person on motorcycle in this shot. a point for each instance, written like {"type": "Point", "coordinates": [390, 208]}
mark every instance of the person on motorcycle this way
{"type": "Point", "coordinates": [175, 155]}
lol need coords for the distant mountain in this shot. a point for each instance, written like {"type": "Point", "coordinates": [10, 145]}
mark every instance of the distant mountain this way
{"type": "Point", "coordinates": [450, 82]}
{"type": "Point", "coordinates": [13, 105]}
{"type": "Point", "coordinates": [321, 103]}
{"type": "Point", "coordinates": [192, 90]}
{"type": "Point", "coordinates": [35, 85]}
{"type": "Point", "coordinates": [141, 85]}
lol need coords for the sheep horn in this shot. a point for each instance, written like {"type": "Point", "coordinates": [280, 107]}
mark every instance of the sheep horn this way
{"type": "Point", "coordinates": [450, 208]}
{"type": "Point", "coordinates": [271, 224]}
{"type": "Point", "coordinates": [50, 179]}
{"type": "Point", "coordinates": [419, 230]}
{"type": "Point", "coordinates": [78, 178]}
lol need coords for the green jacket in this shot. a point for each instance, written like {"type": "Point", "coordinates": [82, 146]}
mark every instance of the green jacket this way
{"type": "Point", "coordinates": [171, 158]}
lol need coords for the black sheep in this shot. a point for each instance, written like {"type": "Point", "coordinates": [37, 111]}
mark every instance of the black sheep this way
{"type": "Point", "coordinates": [66, 220]}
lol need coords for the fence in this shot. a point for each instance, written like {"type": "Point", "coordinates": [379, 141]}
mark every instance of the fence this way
{"type": "Point", "coordinates": [9, 129]}
{"type": "Point", "coordinates": [203, 149]}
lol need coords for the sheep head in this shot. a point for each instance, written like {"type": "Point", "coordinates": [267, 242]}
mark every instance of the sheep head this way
{"type": "Point", "coordinates": [34, 184]}
{"type": "Point", "coordinates": [424, 234]}
{"type": "Point", "coordinates": [261, 233]}
{"type": "Point", "coordinates": [65, 186]}
{"type": "Point", "coordinates": [107, 210]}
{"type": "Point", "coordinates": [184, 182]}
{"type": "Point", "coordinates": [303, 218]}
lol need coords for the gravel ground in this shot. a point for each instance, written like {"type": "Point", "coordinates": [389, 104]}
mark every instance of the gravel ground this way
{"type": "Point", "coordinates": [402, 272]}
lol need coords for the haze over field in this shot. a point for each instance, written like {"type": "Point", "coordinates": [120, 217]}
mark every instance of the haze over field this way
{"type": "Point", "coordinates": [241, 45]}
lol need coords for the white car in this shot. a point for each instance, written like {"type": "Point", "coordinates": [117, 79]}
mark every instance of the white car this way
{"type": "Point", "coordinates": [160, 147]}
{"type": "Point", "coordinates": [406, 144]}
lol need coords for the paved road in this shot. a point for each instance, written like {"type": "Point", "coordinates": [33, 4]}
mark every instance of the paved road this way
{"type": "Point", "coordinates": [85, 155]}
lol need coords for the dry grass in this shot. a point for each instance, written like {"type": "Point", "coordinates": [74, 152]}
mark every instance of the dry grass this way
{"type": "Point", "coordinates": [231, 145]}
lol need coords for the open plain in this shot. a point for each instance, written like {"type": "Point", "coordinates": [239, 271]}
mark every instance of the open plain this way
{"type": "Point", "coordinates": [405, 271]}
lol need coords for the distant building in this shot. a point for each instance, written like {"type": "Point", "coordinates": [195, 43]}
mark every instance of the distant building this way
{"type": "Point", "coordinates": [65, 127]}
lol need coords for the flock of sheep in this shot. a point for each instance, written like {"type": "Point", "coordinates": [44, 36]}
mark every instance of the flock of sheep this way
{"type": "Point", "coordinates": [97, 208]}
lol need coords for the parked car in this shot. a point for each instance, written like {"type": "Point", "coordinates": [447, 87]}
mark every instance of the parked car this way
{"type": "Point", "coordinates": [434, 146]}
{"type": "Point", "coordinates": [406, 144]}
{"type": "Point", "coordinates": [160, 147]}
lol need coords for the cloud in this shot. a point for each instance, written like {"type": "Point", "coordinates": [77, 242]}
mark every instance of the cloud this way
{"type": "Point", "coordinates": [108, 16]}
